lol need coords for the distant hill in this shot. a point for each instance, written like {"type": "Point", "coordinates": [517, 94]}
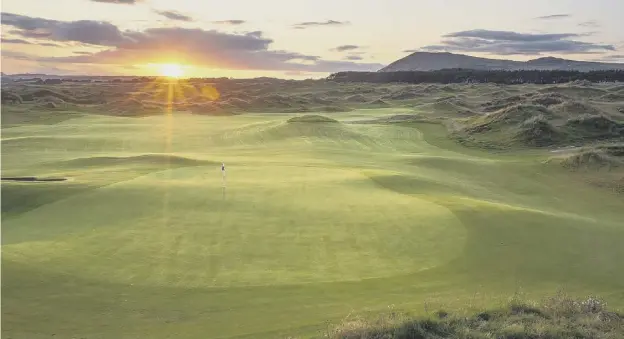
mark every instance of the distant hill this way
{"type": "Point", "coordinates": [425, 61]}
{"type": "Point", "coordinates": [26, 75]}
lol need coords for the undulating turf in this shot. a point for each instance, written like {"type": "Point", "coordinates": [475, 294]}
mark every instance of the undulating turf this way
{"type": "Point", "coordinates": [315, 220]}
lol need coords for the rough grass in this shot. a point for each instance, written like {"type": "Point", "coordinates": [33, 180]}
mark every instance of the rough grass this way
{"type": "Point", "coordinates": [600, 165]}
{"type": "Point", "coordinates": [595, 126]}
{"type": "Point", "coordinates": [575, 91]}
{"type": "Point", "coordinates": [447, 108]}
{"type": "Point", "coordinates": [539, 126]}
{"type": "Point", "coordinates": [39, 93]}
{"type": "Point", "coordinates": [558, 317]}
{"type": "Point", "coordinates": [571, 108]}
{"type": "Point", "coordinates": [538, 132]}
{"type": "Point", "coordinates": [518, 114]}
{"type": "Point", "coordinates": [606, 156]}
{"type": "Point", "coordinates": [379, 103]}
{"type": "Point", "coordinates": [613, 149]}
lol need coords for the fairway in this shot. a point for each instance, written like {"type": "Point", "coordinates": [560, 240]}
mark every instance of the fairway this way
{"type": "Point", "coordinates": [314, 221]}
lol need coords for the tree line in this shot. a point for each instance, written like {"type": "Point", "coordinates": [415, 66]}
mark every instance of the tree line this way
{"type": "Point", "coordinates": [458, 75]}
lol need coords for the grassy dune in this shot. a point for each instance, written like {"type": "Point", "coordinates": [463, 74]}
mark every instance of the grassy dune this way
{"type": "Point", "coordinates": [321, 216]}
{"type": "Point", "coordinates": [557, 317]}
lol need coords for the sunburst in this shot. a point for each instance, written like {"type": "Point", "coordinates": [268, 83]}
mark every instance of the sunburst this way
{"type": "Point", "coordinates": [175, 71]}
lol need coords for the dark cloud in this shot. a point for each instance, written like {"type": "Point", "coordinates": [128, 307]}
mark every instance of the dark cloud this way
{"type": "Point", "coordinates": [307, 24]}
{"type": "Point", "coordinates": [126, 2]}
{"type": "Point", "coordinates": [553, 17]}
{"type": "Point", "coordinates": [184, 45]}
{"type": "Point", "coordinates": [509, 36]}
{"type": "Point", "coordinates": [590, 24]}
{"type": "Point", "coordinates": [173, 15]}
{"type": "Point", "coordinates": [85, 31]}
{"type": "Point", "coordinates": [26, 42]}
{"type": "Point", "coordinates": [173, 44]}
{"type": "Point", "coordinates": [344, 48]}
{"type": "Point", "coordinates": [49, 44]}
{"type": "Point", "coordinates": [16, 41]}
{"type": "Point", "coordinates": [255, 33]}
{"type": "Point", "coordinates": [229, 22]}
{"type": "Point", "coordinates": [509, 43]}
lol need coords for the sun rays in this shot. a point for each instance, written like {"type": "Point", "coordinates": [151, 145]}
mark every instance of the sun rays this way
{"type": "Point", "coordinates": [170, 70]}
{"type": "Point", "coordinates": [173, 71]}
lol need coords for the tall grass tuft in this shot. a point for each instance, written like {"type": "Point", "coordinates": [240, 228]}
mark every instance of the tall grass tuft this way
{"type": "Point", "coordinates": [557, 317]}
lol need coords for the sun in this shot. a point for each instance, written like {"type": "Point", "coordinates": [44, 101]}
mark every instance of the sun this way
{"type": "Point", "coordinates": [171, 70]}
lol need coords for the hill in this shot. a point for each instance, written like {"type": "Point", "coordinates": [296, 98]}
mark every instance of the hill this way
{"type": "Point", "coordinates": [426, 61]}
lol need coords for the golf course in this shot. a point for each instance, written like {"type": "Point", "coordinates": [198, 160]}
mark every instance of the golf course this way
{"type": "Point", "coordinates": [118, 222]}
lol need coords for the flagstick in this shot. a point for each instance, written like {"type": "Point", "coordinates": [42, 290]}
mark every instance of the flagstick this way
{"type": "Point", "coordinates": [223, 175]}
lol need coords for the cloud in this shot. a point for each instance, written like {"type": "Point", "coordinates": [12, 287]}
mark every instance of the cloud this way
{"type": "Point", "coordinates": [353, 57]}
{"type": "Point", "coordinates": [85, 31]}
{"type": "Point", "coordinates": [26, 42]}
{"type": "Point", "coordinates": [174, 15]}
{"type": "Point", "coordinates": [229, 22]}
{"type": "Point", "coordinates": [510, 43]}
{"type": "Point", "coordinates": [298, 73]}
{"type": "Point", "coordinates": [16, 41]}
{"type": "Point", "coordinates": [553, 17]}
{"type": "Point", "coordinates": [17, 55]}
{"type": "Point", "coordinates": [125, 2]}
{"type": "Point", "coordinates": [590, 24]}
{"type": "Point", "coordinates": [208, 48]}
{"type": "Point", "coordinates": [509, 36]}
{"type": "Point", "coordinates": [618, 58]}
{"type": "Point", "coordinates": [344, 48]}
{"type": "Point", "coordinates": [49, 44]}
{"type": "Point", "coordinates": [307, 24]}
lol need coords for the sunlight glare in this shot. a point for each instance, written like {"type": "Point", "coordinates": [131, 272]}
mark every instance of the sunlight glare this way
{"type": "Point", "coordinates": [171, 70]}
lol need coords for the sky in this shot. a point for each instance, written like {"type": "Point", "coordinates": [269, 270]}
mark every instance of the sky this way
{"type": "Point", "coordinates": [295, 38]}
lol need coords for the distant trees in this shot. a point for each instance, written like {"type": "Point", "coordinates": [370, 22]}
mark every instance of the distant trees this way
{"type": "Point", "coordinates": [458, 75]}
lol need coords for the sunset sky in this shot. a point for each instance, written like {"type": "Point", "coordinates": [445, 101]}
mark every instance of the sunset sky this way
{"type": "Point", "coordinates": [296, 38]}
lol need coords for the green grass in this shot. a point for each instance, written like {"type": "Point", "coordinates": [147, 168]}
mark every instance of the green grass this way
{"type": "Point", "coordinates": [317, 221]}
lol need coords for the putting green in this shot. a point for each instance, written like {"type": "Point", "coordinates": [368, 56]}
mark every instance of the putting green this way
{"type": "Point", "coordinates": [271, 225]}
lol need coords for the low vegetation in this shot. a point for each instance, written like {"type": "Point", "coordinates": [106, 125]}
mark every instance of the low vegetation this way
{"type": "Point", "coordinates": [599, 157]}
{"type": "Point", "coordinates": [558, 317]}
